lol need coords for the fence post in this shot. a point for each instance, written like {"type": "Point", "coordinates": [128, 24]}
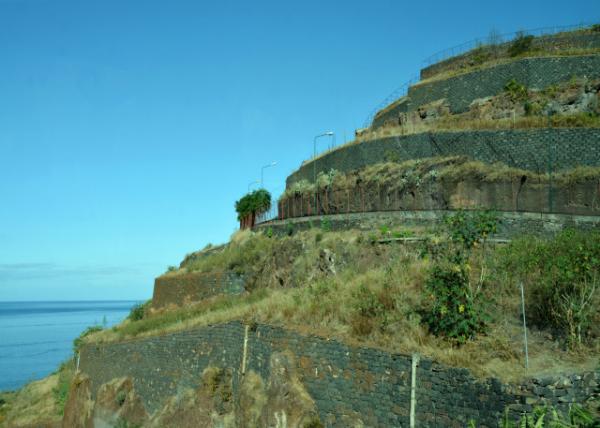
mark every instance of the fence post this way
{"type": "Point", "coordinates": [348, 200]}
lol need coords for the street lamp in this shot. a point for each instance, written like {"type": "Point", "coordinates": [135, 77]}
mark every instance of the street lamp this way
{"type": "Point", "coordinates": [325, 134]}
{"type": "Point", "coordinates": [262, 171]}
{"type": "Point", "coordinates": [251, 183]}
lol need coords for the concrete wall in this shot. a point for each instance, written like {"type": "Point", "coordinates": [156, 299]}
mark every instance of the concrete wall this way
{"type": "Point", "coordinates": [348, 384]}
{"type": "Point", "coordinates": [512, 224]}
{"type": "Point", "coordinates": [462, 89]}
{"type": "Point", "coordinates": [537, 150]}
{"type": "Point", "coordinates": [549, 44]}
{"type": "Point", "coordinates": [178, 289]}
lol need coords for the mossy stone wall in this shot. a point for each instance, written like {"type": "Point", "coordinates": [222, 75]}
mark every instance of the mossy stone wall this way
{"type": "Point", "coordinates": [350, 385]}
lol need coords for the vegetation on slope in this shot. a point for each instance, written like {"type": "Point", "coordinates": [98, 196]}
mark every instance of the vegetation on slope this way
{"type": "Point", "coordinates": [522, 46]}
{"type": "Point", "coordinates": [420, 172]}
{"type": "Point", "coordinates": [39, 403]}
{"type": "Point", "coordinates": [348, 286]}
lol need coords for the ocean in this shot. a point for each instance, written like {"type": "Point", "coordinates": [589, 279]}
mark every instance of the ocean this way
{"type": "Point", "coordinates": [35, 337]}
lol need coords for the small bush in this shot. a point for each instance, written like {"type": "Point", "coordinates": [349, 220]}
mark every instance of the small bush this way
{"type": "Point", "coordinates": [453, 312]}
{"type": "Point", "coordinates": [595, 28]}
{"type": "Point", "coordinates": [171, 268]}
{"type": "Point", "coordinates": [521, 44]}
{"type": "Point", "coordinates": [79, 340]}
{"type": "Point", "coordinates": [61, 390]}
{"type": "Point", "coordinates": [326, 225]}
{"type": "Point", "coordinates": [138, 312]}
{"type": "Point", "coordinates": [516, 91]}
{"type": "Point", "coordinates": [561, 278]}
{"type": "Point", "coordinates": [467, 228]}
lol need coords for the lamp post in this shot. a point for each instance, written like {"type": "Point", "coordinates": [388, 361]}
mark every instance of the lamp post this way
{"type": "Point", "coordinates": [251, 183]}
{"type": "Point", "coordinates": [325, 134]}
{"type": "Point", "coordinates": [262, 169]}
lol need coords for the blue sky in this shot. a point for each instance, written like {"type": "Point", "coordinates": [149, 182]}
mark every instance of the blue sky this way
{"type": "Point", "coordinates": [129, 128]}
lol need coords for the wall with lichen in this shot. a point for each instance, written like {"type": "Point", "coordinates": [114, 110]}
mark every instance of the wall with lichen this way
{"type": "Point", "coordinates": [349, 385]}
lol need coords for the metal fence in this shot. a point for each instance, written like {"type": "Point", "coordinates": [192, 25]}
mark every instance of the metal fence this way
{"type": "Point", "coordinates": [398, 93]}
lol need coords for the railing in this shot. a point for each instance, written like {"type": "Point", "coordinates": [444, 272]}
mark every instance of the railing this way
{"type": "Point", "coordinates": [265, 216]}
{"type": "Point", "coordinates": [398, 93]}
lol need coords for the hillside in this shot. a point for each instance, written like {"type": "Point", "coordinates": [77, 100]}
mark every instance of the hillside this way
{"type": "Point", "coordinates": [441, 270]}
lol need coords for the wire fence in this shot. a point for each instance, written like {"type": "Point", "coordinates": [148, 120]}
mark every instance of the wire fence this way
{"type": "Point", "coordinates": [490, 40]}
{"type": "Point", "coordinates": [398, 93]}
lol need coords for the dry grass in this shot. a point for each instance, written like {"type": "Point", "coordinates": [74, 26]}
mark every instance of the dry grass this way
{"type": "Point", "coordinates": [33, 405]}
{"type": "Point", "coordinates": [329, 306]}
{"type": "Point", "coordinates": [493, 62]}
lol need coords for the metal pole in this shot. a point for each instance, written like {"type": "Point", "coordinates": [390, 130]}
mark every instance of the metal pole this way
{"type": "Point", "coordinates": [325, 134]}
{"type": "Point", "coordinates": [262, 169]}
{"type": "Point", "coordinates": [413, 389]}
{"type": "Point", "coordinates": [524, 326]}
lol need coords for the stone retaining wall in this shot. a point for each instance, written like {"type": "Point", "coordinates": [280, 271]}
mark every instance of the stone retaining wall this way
{"type": "Point", "coordinates": [350, 385]}
{"type": "Point", "coordinates": [179, 289]}
{"type": "Point", "coordinates": [539, 150]}
{"type": "Point", "coordinates": [461, 90]}
{"type": "Point", "coordinates": [517, 194]}
{"type": "Point", "coordinates": [512, 224]}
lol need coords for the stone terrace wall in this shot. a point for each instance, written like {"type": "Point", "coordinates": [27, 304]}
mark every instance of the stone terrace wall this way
{"type": "Point", "coordinates": [461, 90]}
{"type": "Point", "coordinates": [533, 149]}
{"type": "Point", "coordinates": [517, 194]}
{"type": "Point", "coordinates": [549, 44]}
{"type": "Point", "coordinates": [512, 224]}
{"type": "Point", "coordinates": [347, 383]}
{"type": "Point", "coordinates": [178, 289]}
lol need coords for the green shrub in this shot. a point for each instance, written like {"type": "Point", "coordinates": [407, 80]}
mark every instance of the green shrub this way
{"type": "Point", "coordinates": [521, 44]}
{"type": "Point", "coordinates": [453, 311]}
{"type": "Point", "coordinates": [595, 28]}
{"type": "Point", "coordinates": [561, 278]}
{"type": "Point", "coordinates": [79, 340]}
{"type": "Point", "coordinates": [467, 228]}
{"type": "Point", "coordinates": [171, 268]}
{"type": "Point", "coordinates": [516, 91]}
{"type": "Point", "coordinates": [61, 390]}
{"type": "Point", "coordinates": [289, 228]}
{"type": "Point", "coordinates": [325, 224]}
{"type": "Point", "coordinates": [453, 308]}
{"type": "Point", "coordinates": [138, 311]}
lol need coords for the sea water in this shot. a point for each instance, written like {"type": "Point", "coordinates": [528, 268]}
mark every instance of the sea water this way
{"type": "Point", "coordinates": [35, 337]}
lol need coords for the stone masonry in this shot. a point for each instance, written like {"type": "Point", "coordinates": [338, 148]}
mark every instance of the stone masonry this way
{"type": "Point", "coordinates": [349, 384]}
